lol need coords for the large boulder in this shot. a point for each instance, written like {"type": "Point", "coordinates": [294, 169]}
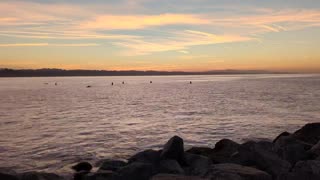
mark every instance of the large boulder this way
{"type": "Point", "coordinates": [309, 133]}
{"type": "Point", "coordinates": [175, 177]}
{"type": "Point", "coordinates": [223, 151]}
{"type": "Point", "coordinates": [197, 164]}
{"type": "Point", "coordinates": [303, 170]}
{"type": "Point", "coordinates": [112, 165]}
{"type": "Point", "coordinates": [262, 156]}
{"type": "Point", "coordinates": [40, 176]}
{"type": "Point", "coordinates": [229, 171]}
{"type": "Point", "coordinates": [147, 156]}
{"type": "Point", "coordinates": [174, 149]}
{"type": "Point", "coordinates": [82, 166]}
{"type": "Point", "coordinates": [291, 149]}
{"type": "Point", "coordinates": [281, 135]}
{"type": "Point", "coordinates": [135, 171]}
{"type": "Point", "coordinates": [170, 166]}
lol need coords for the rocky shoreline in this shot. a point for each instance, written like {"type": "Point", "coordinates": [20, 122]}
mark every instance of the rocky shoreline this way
{"type": "Point", "coordinates": [289, 156]}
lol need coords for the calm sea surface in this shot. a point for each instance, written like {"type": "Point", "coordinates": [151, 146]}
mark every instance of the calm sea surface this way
{"type": "Point", "coordinates": [47, 127]}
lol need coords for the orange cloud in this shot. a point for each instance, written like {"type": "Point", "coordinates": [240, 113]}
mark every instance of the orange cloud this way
{"type": "Point", "coordinates": [47, 44]}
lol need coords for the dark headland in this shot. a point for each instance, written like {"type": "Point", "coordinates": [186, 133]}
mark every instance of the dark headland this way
{"type": "Point", "coordinates": [290, 156]}
{"type": "Point", "coordinates": [5, 72]}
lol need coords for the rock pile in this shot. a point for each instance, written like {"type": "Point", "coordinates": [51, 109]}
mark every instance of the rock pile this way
{"type": "Point", "coordinates": [293, 156]}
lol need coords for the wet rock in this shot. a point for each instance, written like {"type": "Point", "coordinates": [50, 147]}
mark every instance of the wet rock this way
{"type": "Point", "coordinates": [40, 176]}
{"type": "Point", "coordinates": [281, 135]}
{"type": "Point", "coordinates": [147, 156]}
{"type": "Point", "coordinates": [135, 171]}
{"type": "Point", "coordinates": [197, 164]}
{"type": "Point", "coordinates": [175, 177]}
{"type": "Point", "coordinates": [174, 149]}
{"type": "Point", "coordinates": [223, 151]}
{"type": "Point", "coordinates": [291, 149]}
{"type": "Point", "coordinates": [234, 171]}
{"type": "Point", "coordinates": [304, 170]}
{"type": "Point", "coordinates": [170, 166]}
{"type": "Point", "coordinates": [82, 166]}
{"type": "Point", "coordinates": [101, 175]}
{"type": "Point", "coordinates": [262, 156]}
{"type": "Point", "coordinates": [309, 133]}
{"type": "Point", "coordinates": [203, 151]}
{"type": "Point", "coordinates": [112, 165]}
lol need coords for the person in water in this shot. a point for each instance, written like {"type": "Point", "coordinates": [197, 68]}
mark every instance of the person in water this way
{"type": "Point", "coordinates": [112, 84]}
{"type": "Point", "coordinates": [190, 82]}
{"type": "Point", "coordinates": [150, 82]}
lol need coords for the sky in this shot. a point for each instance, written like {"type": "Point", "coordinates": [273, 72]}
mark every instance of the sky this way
{"type": "Point", "coordinates": [169, 35]}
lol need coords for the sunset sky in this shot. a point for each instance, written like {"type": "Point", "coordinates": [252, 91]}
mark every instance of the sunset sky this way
{"type": "Point", "coordinates": [188, 35]}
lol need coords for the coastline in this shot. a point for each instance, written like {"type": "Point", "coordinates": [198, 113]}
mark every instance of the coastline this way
{"type": "Point", "coordinates": [288, 157]}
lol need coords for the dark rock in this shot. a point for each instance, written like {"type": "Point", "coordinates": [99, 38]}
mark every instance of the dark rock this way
{"type": "Point", "coordinates": [80, 175]}
{"type": "Point", "coordinates": [235, 171]}
{"type": "Point", "coordinates": [175, 177]}
{"type": "Point", "coordinates": [40, 176]}
{"type": "Point", "coordinates": [223, 151]}
{"type": "Point", "coordinates": [281, 135]}
{"type": "Point", "coordinates": [174, 149]}
{"type": "Point", "coordinates": [82, 166]}
{"type": "Point", "coordinates": [112, 165]}
{"type": "Point", "coordinates": [203, 151]}
{"type": "Point", "coordinates": [170, 166]}
{"type": "Point", "coordinates": [303, 170]}
{"type": "Point", "coordinates": [101, 175]}
{"type": "Point", "coordinates": [262, 156]}
{"type": "Point", "coordinates": [197, 164]}
{"type": "Point", "coordinates": [5, 176]}
{"type": "Point", "coordinates": [147, 156]}
{"type": "Point", "coordinates": [315, 150]}
{"type": "Point", "coordinates": [291, 149]}
{"type": "Point", "coordinates": [309, 133]}
{"type": "Point", "coordinates": [135, 171]}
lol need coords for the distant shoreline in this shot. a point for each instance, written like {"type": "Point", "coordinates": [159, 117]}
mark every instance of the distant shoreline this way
{"type": "Point", "coordinates": [76, 73]}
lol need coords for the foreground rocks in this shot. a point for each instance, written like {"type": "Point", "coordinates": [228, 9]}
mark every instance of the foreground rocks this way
{"type": "Point", "coordinates": [289, 156]}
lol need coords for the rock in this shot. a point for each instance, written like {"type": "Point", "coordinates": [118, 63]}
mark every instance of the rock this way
{"type": "Point", "coordinates": [262, 156]}
{"type": "Point", "coordinates": [135, 171]}
{"type": "Point", "coordinates": [203, 151]}
{"type": "Point", "coordinates": [291, 149]}
{"type": "Point", "coordinates": [147, 156]}
{"type": "Point", "coordinates": [223, 151]}
{"type": "Point", "coordinates": [315, 150]}
{"type": "Point", "coordinates": [112, 165]}
{"type": "Point", "coordinates": [233, 171]}
{"type": "Point", "coordinates": [6, 176]}
{"type": "Point", "coordinates": [304, 170]}
{"type": "Point", "coordinates": [281, 135]}
{"type": "Point", "coordinates": [80, 175]}
{"type": "Point", "coordinates": [82, 166]}
{"type": "Point", "coordinates": [197, 164]}
{"type": "Point", "coordinates": [170, 166]}
{"type": "Point", "coordinates": [174, 149]}
{"type": "Point", "coordinates": [309, 133]}
{"type": "Point", "coordinates": [175, 177]}
{"type": "Point", "coordinates": [101, 175]}
{"type": "Point", "coordinates": [40, 176]}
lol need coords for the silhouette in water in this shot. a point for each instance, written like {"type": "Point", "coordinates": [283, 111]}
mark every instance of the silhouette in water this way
{"type": "Point", "coordinates": [190, 82]}
{"type": "Point", "coordinates": [88, 86]}
{"type": "Point", "coordinates": [150, 82]}
{"type": "Point", "coordinates": [122, 82]}
{"type": "Point", "coordinates": [112, 84]}
{"type": "Point", "coordinates": [55, 84]}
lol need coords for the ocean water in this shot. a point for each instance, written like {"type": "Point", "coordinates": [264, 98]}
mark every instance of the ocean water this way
{"type": "Point", "coordinates": [45, 127]}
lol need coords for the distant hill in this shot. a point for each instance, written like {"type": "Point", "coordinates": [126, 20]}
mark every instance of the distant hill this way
{"type": "Point", "coordinates": [5, 72]}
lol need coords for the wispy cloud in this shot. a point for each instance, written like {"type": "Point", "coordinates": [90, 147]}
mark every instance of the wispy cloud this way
{"type": "Point", "coordinates": [47, 44]}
